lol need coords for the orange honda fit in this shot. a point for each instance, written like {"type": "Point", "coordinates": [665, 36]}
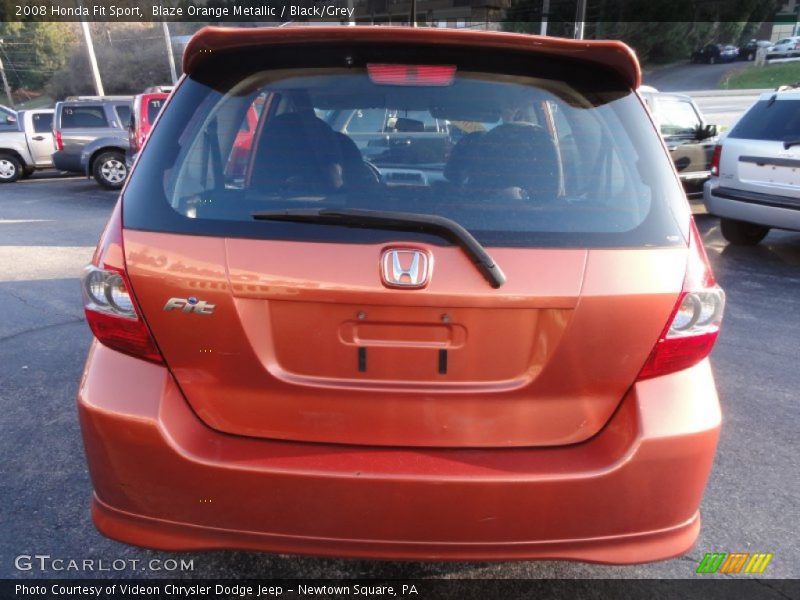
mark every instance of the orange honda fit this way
{"type": "Point", "coordinates": [453, 306]}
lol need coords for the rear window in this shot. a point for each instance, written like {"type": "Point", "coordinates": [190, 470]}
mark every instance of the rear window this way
{"type": "Point", "coordinates": [124, 114]}
{"type": "Point", "coordinates": [558, 157]}
{"type": "Point", "coordinates": [770, 121]}
{"type": "Point", "coordinates": [42, 122]}
{"type": "Point", "coordinates": [153, 108]}
{"type": "Point", "coordinates": [78, 117]}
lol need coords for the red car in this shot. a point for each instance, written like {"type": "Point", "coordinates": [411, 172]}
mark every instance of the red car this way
{"type": "Point", "coordinates": [498, 352]}
{"type": "Point", "coordinates": [145, 110]}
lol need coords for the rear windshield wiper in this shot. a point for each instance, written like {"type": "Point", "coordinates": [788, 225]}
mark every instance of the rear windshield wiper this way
{"type": "Point", "coordinates": [789, 143]}
{"type": "Point", "coordinates": [380, 219]}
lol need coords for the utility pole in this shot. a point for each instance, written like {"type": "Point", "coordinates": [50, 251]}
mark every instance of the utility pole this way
{"type": "Point", "coordinates": [6, 87]}
{"type": "Point", "coordinates": [98, 84]}
{"type": "Point", "coordinates": [413, 13]}
{"type": "Point", "coordinates": [580, 19]}
{"type": "Point", "coordinates": [545, 14]}
{"type": "Point", "coordinates": [170, 55]}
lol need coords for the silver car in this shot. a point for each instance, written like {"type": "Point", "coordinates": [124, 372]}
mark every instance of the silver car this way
{"type": "Point", "coordinates": [755, 171]}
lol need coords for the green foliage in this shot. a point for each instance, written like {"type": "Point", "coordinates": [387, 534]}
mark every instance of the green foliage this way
{"type": "Point", "coordinates": [125, 68]}
{"type": "Point", "coordinates": [762, 77]}
{"type": "Point", "coordinates": [33, 51]}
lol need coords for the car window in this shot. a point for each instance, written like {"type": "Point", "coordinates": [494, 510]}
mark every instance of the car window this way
{"type": "Point", "coordinates": [153, 108]}
{"type": "Point", "coordinates": [123, 114]}
{"type": "Point", "coordinates": [42, 122]}
{"type": "Point", "coordinates": [676, 117]}
{"type": "Point", "coordinates": [516, 160]}
{"type": "Point", "coordinates": [767, 120]}
{"type": "Point", "coordinates": [83, 117]}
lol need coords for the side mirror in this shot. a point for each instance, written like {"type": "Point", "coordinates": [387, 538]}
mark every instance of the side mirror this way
{"type": "Point", "coordinates": [711, 131]}
{"type": "Point", "coordinates": [11, 119]}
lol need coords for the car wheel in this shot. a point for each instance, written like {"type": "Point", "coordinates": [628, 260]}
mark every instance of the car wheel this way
{"type": "Point", "coordinates": [741, 233]}
{"type": "Point", "coordinates": [10, 169]}
{"type": "Point", "coordinates": [109, 170]}
{"type": "Point", "coordinates": [27, 172]}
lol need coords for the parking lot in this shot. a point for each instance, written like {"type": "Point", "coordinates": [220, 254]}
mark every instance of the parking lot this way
{"type": "Point", "coordinates": [48, 228]}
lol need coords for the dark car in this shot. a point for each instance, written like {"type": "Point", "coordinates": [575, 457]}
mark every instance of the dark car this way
{"type": "Point", "coordinates": [714, 53]}
{"type": "Point", "coordinates": [749, 50]}
{"type": "Point", "coordinates": [688, 136]}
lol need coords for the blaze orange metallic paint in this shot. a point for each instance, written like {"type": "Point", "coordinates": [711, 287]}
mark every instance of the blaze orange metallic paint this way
{"type": "Point", "coordinates": [262, 434]}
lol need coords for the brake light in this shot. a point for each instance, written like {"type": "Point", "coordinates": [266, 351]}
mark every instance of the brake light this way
{"type": "Point", "coordinates": [694, 324]}
{"type": "Point", "coordinates": [715, 158]}
{"type": "Point", "coordinates": [412, 75]}
{"type": "Point", "coordinates": [109, 303]}
{"type": "Point", "coordinates": [58, 140]}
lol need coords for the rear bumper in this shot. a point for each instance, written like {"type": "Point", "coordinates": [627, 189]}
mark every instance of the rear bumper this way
{"type": "Point", "coordinates": [763, 209]}
{"type": "Point", "coordinates": [164, 480]}
{"type": "Point", "coordinates": [67, 161]}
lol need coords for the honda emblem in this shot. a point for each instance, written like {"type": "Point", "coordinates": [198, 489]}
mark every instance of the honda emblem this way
{"type": "Point", "coordinates": [406, 268]}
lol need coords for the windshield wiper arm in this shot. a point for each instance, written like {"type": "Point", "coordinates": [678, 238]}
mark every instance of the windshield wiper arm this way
{"type": "Point", "coordinates": [381, 219]}
{"type": "Point", "coordinates": [789, 143]}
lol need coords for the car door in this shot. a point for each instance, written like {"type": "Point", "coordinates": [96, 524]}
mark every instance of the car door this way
{"type": "Point", "coordinates": [680, 126]}
{"type": "Point", "coordinates": [40, 132]}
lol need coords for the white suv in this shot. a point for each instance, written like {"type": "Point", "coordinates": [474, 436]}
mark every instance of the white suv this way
{"type": "Point", "coordinates": [755, 171]}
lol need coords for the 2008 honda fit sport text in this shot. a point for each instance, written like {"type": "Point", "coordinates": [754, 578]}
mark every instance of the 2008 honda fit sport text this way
{"type": "Point", "coordinates": [449, 303]}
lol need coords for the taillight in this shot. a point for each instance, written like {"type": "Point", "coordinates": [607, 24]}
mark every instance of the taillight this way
{"type": "Point", "coordinates": [58, 140]}
{"type": "Point", "coordinates": [109, 303]}
{"type": "Point", "coordinates": [413, 75]}
{"type": "Point", "coordinates": [695, 321]}
{"type": "Point", "coordinates": [715, 158]}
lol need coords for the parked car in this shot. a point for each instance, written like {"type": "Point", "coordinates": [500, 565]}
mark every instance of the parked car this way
{"type": "Point", "coordinates": [755, 183]}
{"type": "Point", "coordinates": [785, 48]}
{"type": "Point", "coordinates": [25, 144]}
{"type": "Point", "coordinates": [145, 110]}
{"type": "Point", "coordinates": [505, 360]}
{"type": "Point", "coordinates": [749, 50]}
{"type": "Point", "coordinates": [91, 137]}
{"type": "Point", "coordinates": [714, 53]}
{"type": "Point", "coordinates": [689, 137]}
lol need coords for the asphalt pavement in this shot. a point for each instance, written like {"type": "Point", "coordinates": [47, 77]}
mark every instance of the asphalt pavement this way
{"type": "Point", "coordinates": [48, 229]}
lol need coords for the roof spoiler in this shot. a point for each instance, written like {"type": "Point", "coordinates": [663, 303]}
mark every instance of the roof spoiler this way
{"type": "Point", "coordinates": [612, 54]}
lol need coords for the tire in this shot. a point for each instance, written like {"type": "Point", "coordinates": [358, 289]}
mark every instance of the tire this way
{"type": "Point", "coordinates": [10, 168]}
{"type": "Point", "coordinates": [27, 172]}
{"type": "Point", "coordinates": [109, 170]}
{"type": "Point", "coordinates": [741, 233]}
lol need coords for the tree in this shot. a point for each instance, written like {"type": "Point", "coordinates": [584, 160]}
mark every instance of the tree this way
{"type": "Point", "coordinates": [33, 51]}
{"type": "Point", "coordinates": [659, 31]}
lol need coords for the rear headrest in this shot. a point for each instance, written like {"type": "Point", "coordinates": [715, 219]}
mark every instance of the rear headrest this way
{"type": "Point", "coordinates": [297, 149]}
{"type": "Point", "coordinates": [515, 155]}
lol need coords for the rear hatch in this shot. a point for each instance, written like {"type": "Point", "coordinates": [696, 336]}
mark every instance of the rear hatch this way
{"type": "Point", "coordinates": [292, 301]}
{"type": "Point", "coordinates": [762, 152]}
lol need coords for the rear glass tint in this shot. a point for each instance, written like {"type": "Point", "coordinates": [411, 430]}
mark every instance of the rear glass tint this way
{"type": "Point", "coordinates": [153, 108]}
{"type": "Point", "coordinates": [42, 122]}
{"type": "Point", "coordinates": [770, 121]}
{"type": "Point", "coordinates": [124, 115]}
{"type": "Point", "coordinates": [78, 117]}
{"type": "Point", "coordinates": [519, 159]}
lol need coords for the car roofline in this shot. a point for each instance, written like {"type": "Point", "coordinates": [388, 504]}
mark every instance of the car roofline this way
{"type": "Point", "coordinates": [612, 54]}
